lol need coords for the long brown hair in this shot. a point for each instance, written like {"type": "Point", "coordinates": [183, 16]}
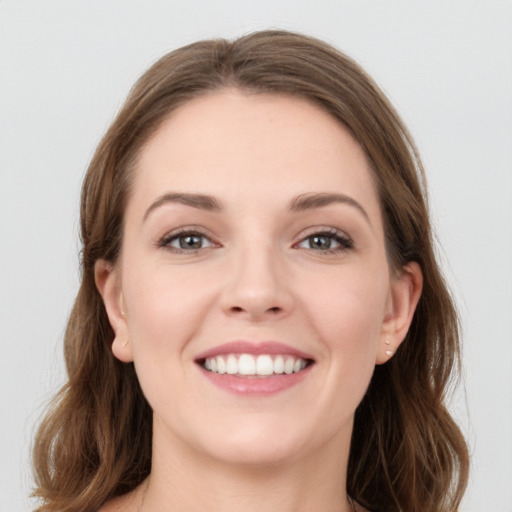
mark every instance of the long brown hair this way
{"type": "Point", "coordinates": [407, 453]}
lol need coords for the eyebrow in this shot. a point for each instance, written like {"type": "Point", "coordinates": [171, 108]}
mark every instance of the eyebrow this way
{"type": "Point", "coordinates": [321, 199]}
{"type": "Point", "coordinates": [301, 203]}
{"type": "Point", "coordinates": [200, 201]}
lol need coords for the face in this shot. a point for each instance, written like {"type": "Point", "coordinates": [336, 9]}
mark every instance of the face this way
{"type": "Point", "coordinates": [253, 291]}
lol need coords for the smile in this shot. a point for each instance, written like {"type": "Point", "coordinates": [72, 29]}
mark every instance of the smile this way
{"type": "Point", "coordinates": [255, 368]}
{"type": "Point", "coordinates": [263, 365]}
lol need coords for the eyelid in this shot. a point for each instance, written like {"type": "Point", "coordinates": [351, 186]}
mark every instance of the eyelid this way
{"type": "Point", "coordinates": [344, 240]}
{"type": "Point", "coordinates": [165, 240]}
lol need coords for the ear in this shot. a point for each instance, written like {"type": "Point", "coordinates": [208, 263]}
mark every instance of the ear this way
{"type": "Point", "coordinates": [107, 281]}
{"type": "Point", "coordinates": [404, 296]}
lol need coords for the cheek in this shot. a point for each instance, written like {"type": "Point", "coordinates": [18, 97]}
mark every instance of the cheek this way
{"type": "Point", "coordinates": [347, 309]}
{"type": "Point", "coordinates": [165, 305]}
{"type": "Point", "coordinates": [165, 311]}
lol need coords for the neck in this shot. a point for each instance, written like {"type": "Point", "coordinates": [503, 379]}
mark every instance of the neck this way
{"type": "Point", "coordinates": [183, 480]}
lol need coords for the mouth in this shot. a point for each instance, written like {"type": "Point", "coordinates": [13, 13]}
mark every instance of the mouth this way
{"type": "Point", "coordinates": [255, 368]}
{"type": "Point", "coordinates": [249, 365]}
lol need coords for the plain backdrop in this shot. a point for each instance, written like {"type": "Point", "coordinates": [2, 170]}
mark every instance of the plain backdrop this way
{"type": "Point", "coordinates": [65, 68]}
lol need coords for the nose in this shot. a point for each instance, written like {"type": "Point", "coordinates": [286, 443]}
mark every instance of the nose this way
{"type": "Point", "coordinates": [258, 288]}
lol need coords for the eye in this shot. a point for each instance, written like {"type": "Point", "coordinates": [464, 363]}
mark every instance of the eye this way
{"type": "Point", "coordinates": [186, 241]}
{"type": "Point", "coordinates": [326, 241]}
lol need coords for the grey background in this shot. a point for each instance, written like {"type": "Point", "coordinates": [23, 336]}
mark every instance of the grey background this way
{"type": "Point", "coordinates": [65, 68]}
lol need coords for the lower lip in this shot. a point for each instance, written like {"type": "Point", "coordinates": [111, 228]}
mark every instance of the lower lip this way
{"type": "Point", "coordinates": [256, 386]}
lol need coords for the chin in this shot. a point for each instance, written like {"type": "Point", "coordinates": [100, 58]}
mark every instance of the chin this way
{"type": "Point", "coordinates": [256, 453]}
{"type": "Point", "coordinates": [263, 441]}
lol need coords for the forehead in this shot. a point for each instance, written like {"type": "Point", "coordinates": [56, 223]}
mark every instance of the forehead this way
{"type": "Point", "coordinates": [233, 143]}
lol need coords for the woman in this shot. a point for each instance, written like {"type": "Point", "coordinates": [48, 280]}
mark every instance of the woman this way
{"type": "Point", "coordinates": [261, 323]}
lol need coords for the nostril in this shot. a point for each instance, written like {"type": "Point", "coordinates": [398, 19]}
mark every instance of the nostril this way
{"type": "Point", "coordinates": [239, 309]}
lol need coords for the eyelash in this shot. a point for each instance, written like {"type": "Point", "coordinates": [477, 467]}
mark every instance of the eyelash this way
{"type": "Point", "coordinates": [344, 242]}
{"type": "Point", "coordinates": [166, 241]}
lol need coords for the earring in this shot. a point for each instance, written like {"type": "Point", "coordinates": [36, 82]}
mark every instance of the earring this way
{"type": "Point", "coordinates": [125, 342]}
{"type": "Point", "coordinates": [389, 353]}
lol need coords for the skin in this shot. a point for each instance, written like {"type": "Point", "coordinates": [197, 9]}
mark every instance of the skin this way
{"type": "Point", "coordinates": [258, 276]}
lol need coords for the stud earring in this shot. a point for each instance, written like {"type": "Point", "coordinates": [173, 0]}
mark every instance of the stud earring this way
{"type": "Point", "coordinates": [125, 342]}
{"type": "Point", "coordinates": [389, 353]}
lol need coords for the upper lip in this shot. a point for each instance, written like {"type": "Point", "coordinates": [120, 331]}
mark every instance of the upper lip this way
{"type": "Point", "coordinates": [253, 348]}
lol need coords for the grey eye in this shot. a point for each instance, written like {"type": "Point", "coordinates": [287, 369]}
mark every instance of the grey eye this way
{"type": "Point", "coordinates": [325, 241]}
{"type": "Point", "coordinates": [322, 242]}
{"type": "Point", "coordinates": [189, 241]}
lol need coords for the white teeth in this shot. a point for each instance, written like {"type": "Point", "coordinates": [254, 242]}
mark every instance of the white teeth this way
{"type": "Point", "coordinates": [247, 364]}
{"type": "Point", "coordinates": [264, 365]}
{"type": "Point", "coordinates": [221, 365]}
{"type": "Point", "coordinates": [288, 365]}
{"type": "Point", "coordinates": [231, 365]}
{"type": "Point", "coordinates": [279, 364]}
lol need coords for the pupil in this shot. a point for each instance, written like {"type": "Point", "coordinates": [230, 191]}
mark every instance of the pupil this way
{"type": "Point", "coordinates": [320, 242]}
{"type": "Point", "coordinates": [190, 242]}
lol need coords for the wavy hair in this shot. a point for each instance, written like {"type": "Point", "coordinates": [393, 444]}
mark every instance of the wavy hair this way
{"type": "Point", "coordinates": [407, 453]}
